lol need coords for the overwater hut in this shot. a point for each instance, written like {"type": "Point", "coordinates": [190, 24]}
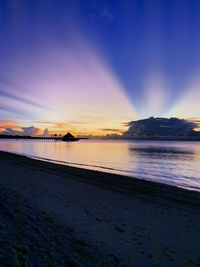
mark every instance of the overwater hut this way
{"type": "Point", "coordinates": [69, 137]}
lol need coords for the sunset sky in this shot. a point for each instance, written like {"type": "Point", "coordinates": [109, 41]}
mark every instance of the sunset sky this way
{"type": "Point", "coordinates": [89, 66]}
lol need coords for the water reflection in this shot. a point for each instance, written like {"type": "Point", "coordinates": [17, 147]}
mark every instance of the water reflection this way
{"type": "Point", "coordinates": [162, 150]}
{"type": "Point", "coordinates": [167, 153]}
{"type": "Point", "coordinates": [168, 162]}
{"type": "Point", "coordinates": [176, 163]}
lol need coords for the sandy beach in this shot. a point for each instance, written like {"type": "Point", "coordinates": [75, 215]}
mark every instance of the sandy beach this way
{"type": "Point", "coordinates": [55, 215]}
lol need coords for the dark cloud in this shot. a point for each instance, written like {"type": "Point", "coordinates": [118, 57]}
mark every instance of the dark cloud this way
{"type": "Point", "coordinates": [161, 127]}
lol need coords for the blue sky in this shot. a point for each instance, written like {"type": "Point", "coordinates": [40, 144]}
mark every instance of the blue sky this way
{"type": "Point", "coordinates": [149, 38]}
{"type": "Point", "coordinates": [62, 61]}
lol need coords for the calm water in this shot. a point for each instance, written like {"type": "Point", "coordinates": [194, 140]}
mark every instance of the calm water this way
{"type": "Point", "coordinates": [175, 163]}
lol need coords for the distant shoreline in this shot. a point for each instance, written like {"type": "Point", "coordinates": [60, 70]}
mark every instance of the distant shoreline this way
{"type": "Point", "coordinates": [34, 137]}
{"type": "Point", "coordinates": [16, 137]}
{"type": "Point", "coordinates": [29, 137]}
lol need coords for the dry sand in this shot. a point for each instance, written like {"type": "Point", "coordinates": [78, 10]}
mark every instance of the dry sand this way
{"type": "Point", "coordinates": [53, 215]}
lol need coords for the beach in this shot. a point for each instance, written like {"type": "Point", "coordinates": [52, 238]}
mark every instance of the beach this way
{"type": "Point", "coordinates": [56, 215]}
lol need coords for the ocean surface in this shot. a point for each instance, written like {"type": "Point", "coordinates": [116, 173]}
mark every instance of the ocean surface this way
{"type": "Point", "coordinates": [169, 162]}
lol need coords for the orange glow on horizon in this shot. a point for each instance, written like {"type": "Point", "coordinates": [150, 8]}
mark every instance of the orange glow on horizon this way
{"type": "Point", "coordinates": [6, 126]}
{"type": "Point", "coordinates": [196, 129]}
{"type": "Point", "coordinates": [102, 128]}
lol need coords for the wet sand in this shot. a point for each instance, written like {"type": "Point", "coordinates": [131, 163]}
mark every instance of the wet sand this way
{"type": "Point", "coordinates": [55, 215]}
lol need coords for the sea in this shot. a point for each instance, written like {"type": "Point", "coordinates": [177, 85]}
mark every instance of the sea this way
{"type": "Point", "coordinates": [169, 162]}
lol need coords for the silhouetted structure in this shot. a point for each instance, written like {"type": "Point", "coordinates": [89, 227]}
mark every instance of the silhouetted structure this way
{"type": "Point", "coordinates": [69, 137]}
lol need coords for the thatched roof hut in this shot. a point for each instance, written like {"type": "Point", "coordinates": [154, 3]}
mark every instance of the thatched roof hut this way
{"type": "Point", "coordinates": [69, 137]}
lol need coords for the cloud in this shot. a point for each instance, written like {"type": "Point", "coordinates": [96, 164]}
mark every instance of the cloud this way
{"type": "Point", "coordinates": [80, 122]}
{"type": "Point", "coordinates": [111, 130]}
{"type": "Point", "coordinates": [30, 130]}
{"type": "Point", "coordinates": [156, 127]}
{"type": "Point", "coordinates": [23, 100]}
{"type": "Point", "coordinates": [126, 123]}
{"type": "Point", "coordinates": [24, 131]}
{"type": "Point", "coordinates": [54, 124]}
{"type": "Point", "coordinates": [5, 126]}
{"type": "Point", "coordinates": [18, 111]}
{"type": "Point", "coordinates": [46, 132]}
{"type": "Point", "coordinates": [8, 121]}
{"type": "Point", "coordinates": [10, 131]}
{"type": "Point", "coordinates": [9, 124]}
{"type": "Point", "coordinates": [106, 13]}
{"type": "Point", "coordinates": [99, 9]}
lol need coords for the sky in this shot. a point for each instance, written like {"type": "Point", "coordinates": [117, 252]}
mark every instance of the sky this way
{"type": "Point", "coordinates": [91, 66]}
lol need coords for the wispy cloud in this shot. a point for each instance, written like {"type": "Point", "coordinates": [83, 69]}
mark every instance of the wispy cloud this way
{"type": "Point", "coordinates": [112, 130]}
{"type": "Point", "coordinates": [8, 121]}
{"type": "Point", "coordinates": [126, 124]}
{"type": "Point", "coordinates": [80, 122]}
{"type": "Point", "coordinates": [6, 126]}
{"type": "Point", "coordinates": [106, 13]}
{"type": "Point", "coordinates": [51, 123]}
{"type": "Point", "coordinates": [18, 111]}
{"type": "Point", "coordinates": [24, 100]}
{"type": "Point", "coordinates": [92, 117]}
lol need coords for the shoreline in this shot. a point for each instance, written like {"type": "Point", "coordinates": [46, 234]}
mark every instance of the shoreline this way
{"type": "Point", "coordinates": [56, 215]}
{"type": "Point", "coordinates": [110, 181]}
